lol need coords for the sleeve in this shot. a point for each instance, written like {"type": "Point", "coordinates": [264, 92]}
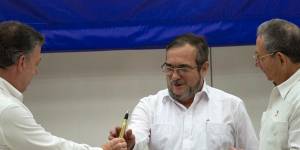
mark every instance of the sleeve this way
{"type": "Point", "coordinates": [20, 131]}
{"type": "Point", "coordinates": [140, 124]}
{"type": "Point", "coordinates": [245, 135]}
{"type": "Point", "coordinates": [294, 129]}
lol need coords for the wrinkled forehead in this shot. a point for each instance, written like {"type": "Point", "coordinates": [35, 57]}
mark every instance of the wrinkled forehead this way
{"type": "Point", "coordinates": [181, 55]}
{"type": "Point", "coordinates": [186, 48]}
{"type": "Point", "coordinates": [260, 47]}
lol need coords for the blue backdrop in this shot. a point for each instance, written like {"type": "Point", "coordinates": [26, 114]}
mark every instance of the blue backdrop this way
{"type": "Point", "coordinates": [81, 25]}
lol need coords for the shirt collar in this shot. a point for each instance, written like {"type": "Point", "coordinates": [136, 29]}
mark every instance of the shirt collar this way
{"type": "Point", "coordinates": [284, 87]}
{"type": "Point", "coordinates": [6, 87]}
{"type": "Point", "coordinates": [204, 90]}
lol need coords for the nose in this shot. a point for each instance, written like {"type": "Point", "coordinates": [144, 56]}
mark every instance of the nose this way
{"type": "Point", "coordinates": [175, 75]}
{"type": "Point", "coordinates": [257, 64]}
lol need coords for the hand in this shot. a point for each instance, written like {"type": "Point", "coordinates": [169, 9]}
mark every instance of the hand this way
{"type": "Point", "coordinates": [115, 144]}
{"type": "Point", "coordinates": [232, 148]}
{"type": "Point", "coordinates": [130, 139]}
{"type": "Point", "coordinates": [129, 136]}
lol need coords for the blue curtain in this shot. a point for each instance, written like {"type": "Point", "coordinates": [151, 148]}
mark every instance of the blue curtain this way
{"type": "Point", "coordinates": [84, 25]}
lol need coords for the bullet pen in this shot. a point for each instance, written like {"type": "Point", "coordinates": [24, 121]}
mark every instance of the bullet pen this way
{"type": "Point", "coordinates": [124, 125]}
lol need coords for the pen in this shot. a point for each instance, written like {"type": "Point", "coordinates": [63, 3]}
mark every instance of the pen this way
{"type": "Point", "coordinates": [124, 125]}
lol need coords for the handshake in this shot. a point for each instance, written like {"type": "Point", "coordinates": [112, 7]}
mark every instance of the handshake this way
{"type": "Point", "coordinates": [119, 138]}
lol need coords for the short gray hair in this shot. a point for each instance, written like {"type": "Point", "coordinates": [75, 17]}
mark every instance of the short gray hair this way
{"type": "Point", "coordinates": [281, 35]}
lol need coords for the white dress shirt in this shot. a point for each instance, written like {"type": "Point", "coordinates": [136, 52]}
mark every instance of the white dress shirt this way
{"type": "Point", "coordinates": [280, 126]}
{"type": "Point", "coordinates": [19, 130]}
{"type": "Point", "coordinates": [215, 121]}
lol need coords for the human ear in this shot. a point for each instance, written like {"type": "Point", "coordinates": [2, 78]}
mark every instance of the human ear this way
{"type": "Point", "coordinates": [204, 68]}
{"type": "Point", "coordinates": [283, 59]}
{"type": "Point", "coordinates": [20, 63]}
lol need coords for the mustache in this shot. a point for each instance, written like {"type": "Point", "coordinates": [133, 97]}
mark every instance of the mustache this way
{"type": "Point", "coordinates": [176, 82]}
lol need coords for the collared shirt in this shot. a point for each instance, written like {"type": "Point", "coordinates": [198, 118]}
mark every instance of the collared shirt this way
{"type": "Point", "coordinates": [280, 125]}
{"type": "Point", "coordinates": [215, 121]}
{"type": "Point", "coordinates": [19, 130]}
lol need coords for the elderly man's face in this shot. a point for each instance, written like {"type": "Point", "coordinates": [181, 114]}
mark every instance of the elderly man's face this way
{"type": "Point", "coordinates": [267, 62]}
{"type": "Point", "coordinates": [184, 79]}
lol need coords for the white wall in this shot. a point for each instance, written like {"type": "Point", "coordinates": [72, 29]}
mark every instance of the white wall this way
{"type": "Point", "coordinates": [80, 96]}
{"type": "Point", "coordinates": [234, 71]}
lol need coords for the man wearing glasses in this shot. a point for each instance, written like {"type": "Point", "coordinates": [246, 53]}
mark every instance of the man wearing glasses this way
{"type": "Point", "coordinates": [189, 114]}
{"type": "Point", "coordinates": [278, 56]}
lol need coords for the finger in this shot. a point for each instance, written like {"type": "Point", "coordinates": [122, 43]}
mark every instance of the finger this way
{"type": "Point", "coordinates": [129, 132]}
{"type": "Point", "coordinates": [129, 135]}
{"type": "Point", "coordinates": [114, 141]}
{"type": "Point", "coordinates": [118, 130]}
{"type": "Point", "coordinates": [111, 135]}
{"type": "Point", "coordinates": [232, 148]}
{"type": "Point", "coordinates": [118, 140]}
{"type": "Point", "coordinates": [118, 143]}
{"type": "Point", "coordinates": [130, 139]}
{"type": "Point", "coordinates": [114, 132]}
{"type": "Point", "coordinates": [123, 144]}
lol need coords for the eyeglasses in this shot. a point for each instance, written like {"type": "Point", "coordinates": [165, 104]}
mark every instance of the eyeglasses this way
{"type": "Point", "coordinates": [260, 58]}
{"type": "Point", "coordinates": [181, 70]}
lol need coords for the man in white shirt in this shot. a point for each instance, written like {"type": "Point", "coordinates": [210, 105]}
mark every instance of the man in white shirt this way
{"type": "Point", "coordinates": [20, 55]}
{"type": "Point", "coordinates": [278, 56]}
{"type": "Point", "coordinates": [189, 115]}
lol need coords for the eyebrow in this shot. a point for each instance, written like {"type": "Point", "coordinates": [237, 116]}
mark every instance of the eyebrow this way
{"type": "Point", "coordinates": [180, 65]}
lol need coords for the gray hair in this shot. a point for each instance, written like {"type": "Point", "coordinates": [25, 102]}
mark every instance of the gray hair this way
{"type": "Point", "coordinates": [281, 35]}
{"type": "Point", "coordinates": [17, 39]}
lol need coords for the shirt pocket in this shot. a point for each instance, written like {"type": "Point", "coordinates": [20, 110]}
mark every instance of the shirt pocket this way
{"type": "Point", "coordinates": [279, 134]}
{"type": "Point", "coordinates": [219, 136]}
{"type": "Point", "coordinates": [161, 135]}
